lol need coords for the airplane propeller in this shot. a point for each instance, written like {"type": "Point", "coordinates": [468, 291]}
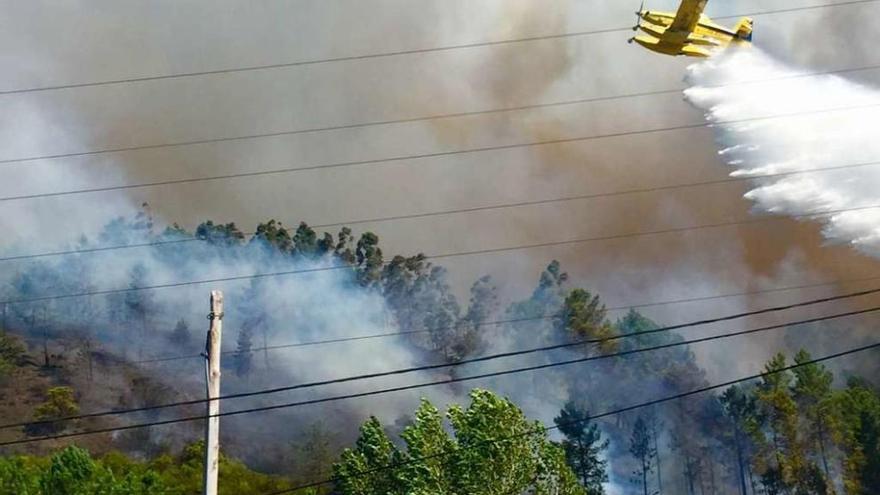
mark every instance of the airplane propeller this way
{"type": "Point", "coordinates": [639, 16]}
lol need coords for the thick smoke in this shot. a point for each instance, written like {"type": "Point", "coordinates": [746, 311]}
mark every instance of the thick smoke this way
{"type": "Point", "coordinates": [783, 124]}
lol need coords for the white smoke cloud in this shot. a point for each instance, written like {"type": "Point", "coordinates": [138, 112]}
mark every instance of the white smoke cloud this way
{"type": "Point", "coordinates": [770, 120]}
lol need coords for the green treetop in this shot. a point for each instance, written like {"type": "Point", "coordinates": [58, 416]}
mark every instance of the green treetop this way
{"type": "Point", "coordinates": [493, 450]}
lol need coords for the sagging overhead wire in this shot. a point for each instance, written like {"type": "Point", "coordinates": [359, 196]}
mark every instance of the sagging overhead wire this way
{"type": "Point", "coordinates": [438, 154]}
{"type": "Point", "coordinates": [397, 53]}
{"type": "Point", "coordinates": [441, 382]}
{"type": "Point", "coordinates": [477, 252]}
{"type": "Point", "coordinates": [544, 429]}
{"type": "Point", "coordinates": [456, 211]}
{"type": "Point", "coordinates": [380, 123]}
{"type": "Point", "coordinates": [495, 323]}
{"type": "Point", "coordinates": [481, 359]}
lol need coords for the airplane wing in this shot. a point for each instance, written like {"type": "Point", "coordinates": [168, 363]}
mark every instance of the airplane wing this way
{"type": "Point", "coordinates": [688, 15]}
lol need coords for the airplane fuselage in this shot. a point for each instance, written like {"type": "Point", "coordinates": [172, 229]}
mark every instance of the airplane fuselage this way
{"type": "Point", "coordinates": [706, 38]}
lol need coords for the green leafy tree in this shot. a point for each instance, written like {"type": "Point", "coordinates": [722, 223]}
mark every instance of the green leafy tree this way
{"type": "Point", "coordinates": [20, 475]}
{"type": "Point", "coordinates": [73, 472]}
{"type": "Point", "coordinates": [344, 246]}
{"type": "Point", "coordinates": [584, 318]}
{"type": "Point", "coordinates": [782, 460]}
{"type": "Point", "coordinates": [368, 257]}
{"type": "Point", "coordinates": [60, 402]}
{"type": "Point", "coordinates": [313, 456]}
{"type": "Point", "coordinates": [424, 305]}
{"type": "Point", "coordinates": [813, 394]}
{"type": "Point", "coordinates": [360, 470]}
{"type": "Point", "coordinates": [305, 241]}
{"type": "Point", "coordinates": [548, 296]}
{"type": "Point", "coordinates": [583, 446]}
{"type": "Point", "coordinates": [11, 353]}
{"type": "Point", "coordinates": [182, 474]}
{"type": "Point", "coordinates": [226, 235]}
{"type": "Point", "coordinates": [483, 305]}
{"type": "Point", "coordinates": [859, 410]}
{"type": "Point", "coordinates": [741, 410]}
{"type": "Point", "coordinates": [274, 235]}
{"type": "Point", "coordinates": [495, 450]}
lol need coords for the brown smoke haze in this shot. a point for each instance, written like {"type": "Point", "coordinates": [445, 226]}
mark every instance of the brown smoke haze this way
{"type": "Point", "coordinates": [129, 40]}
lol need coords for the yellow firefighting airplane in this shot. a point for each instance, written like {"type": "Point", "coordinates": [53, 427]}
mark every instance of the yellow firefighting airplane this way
{"type": "Point", "coordinates": [688, 32]}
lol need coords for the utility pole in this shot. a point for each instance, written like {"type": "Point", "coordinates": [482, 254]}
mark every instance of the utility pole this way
{"type": "Point", "coordinates": [212, 375]}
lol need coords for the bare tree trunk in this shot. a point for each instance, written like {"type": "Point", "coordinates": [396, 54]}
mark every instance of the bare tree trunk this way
{"type": "Point", "coordinates": [712, 486]}
{"type": "Point", "coordinates": [752, 480]}
{"type": "Point", "coordinates": [657, 452]}
{"type": "Point", "coordinates": [266, 346]}
{"type": "Point", "coordinates": [143, 338]}
{"type": "Point", "coordinates": [739, 460]}
{"type": "Point", "coordinates": [821, 425]}
{"type": "Point", "coordinates": [46, 361]}
{"type": "Point", "coordinates": [583, 469]}
{"type": "Point", "coordinates": [45, 327]}
{"type": "Point", "coordinates": [689, 475]}
{"type": "Point", "coordinates": [701, 481]}
{"type": "Point", "coordinates": [89, 357]}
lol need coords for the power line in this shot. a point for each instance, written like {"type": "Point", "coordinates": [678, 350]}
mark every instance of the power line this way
{"type": "Point", "coordinates": [520, 204]}
{"type": "Point", "coordinates": [352, 58]}
{"type": "Point", "coordinates": [424, 156]}
{"type": "Point", "coordinates": [497, 323]}
{"type": "Point", "coordinates": [544, 429]}
{"type": "Point", "coordinates": [464, 362]}
{"type": "Point", "coordinates": [434, 383]}
{"type": "Point", "coordinates": [458, 254]}
{"type": "Point", "coordinates": [98, 249]}
{"type": "Point", "coordinates": [379, 123]}
{"type": "Point", "coordinates": [581, 197]}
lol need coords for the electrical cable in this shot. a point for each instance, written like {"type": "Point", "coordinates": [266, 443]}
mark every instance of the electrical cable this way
{"type": "Point", "coordinates": [521, 247]}
{"type": "Point", "coordinates": [434, 383]}
{"type": "Point", "coordinates": [352, 58]}
{"type": "Point", "coordinates": [380, 123]}
{"type": "Point", "coordinates": [520, 204]}
{"type": "Point", "coordinates": [464, 362]}
{"type": "Point", "coordinates": [544, 429]}
{"type": "Point", "coordinates": [494, 323]}
{"type": "Point", "coordinates": [438, 154]}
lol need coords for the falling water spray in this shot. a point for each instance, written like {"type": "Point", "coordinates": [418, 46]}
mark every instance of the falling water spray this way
{"type": "Point", "coordinates": [815, 135]}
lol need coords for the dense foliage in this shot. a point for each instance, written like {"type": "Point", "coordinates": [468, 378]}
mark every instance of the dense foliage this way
{"type": "Point", "coordinates": [73, 471]}
{"type": "Point", "coordinates": [793, 433]}
{"type": "Point", "coordinates": [799, 436]}
{"type": "Point", "coordinates": [494, 450]}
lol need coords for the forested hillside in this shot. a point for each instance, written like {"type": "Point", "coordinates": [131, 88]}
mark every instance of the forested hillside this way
{"type": "Point", "coordinates": [802, 431]}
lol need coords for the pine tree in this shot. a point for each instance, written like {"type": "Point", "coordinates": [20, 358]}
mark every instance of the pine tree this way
{"type": "Point", "coordinates": [583, 446]}
{"type": "Point", "coordinates": [583, 317]}
{"type": "Point", "coordinates": [812, 391]}
{"type": "Point", "coordinates": [138, 303]}
{"type": "Point", "coordinates": [181, 336]}
{"type": "Point", "coordinates": [244, 353]}
{"type": "Point", "coordinates": [740, 408]}
{"type": "Point", "coordinates": [859, 408]}
{"type": "Point", "coordinates": [640, 448]}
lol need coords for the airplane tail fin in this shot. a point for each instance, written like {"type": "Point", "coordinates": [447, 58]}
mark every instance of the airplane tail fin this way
{"type": "Point", "coordinates": [744, 29]}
